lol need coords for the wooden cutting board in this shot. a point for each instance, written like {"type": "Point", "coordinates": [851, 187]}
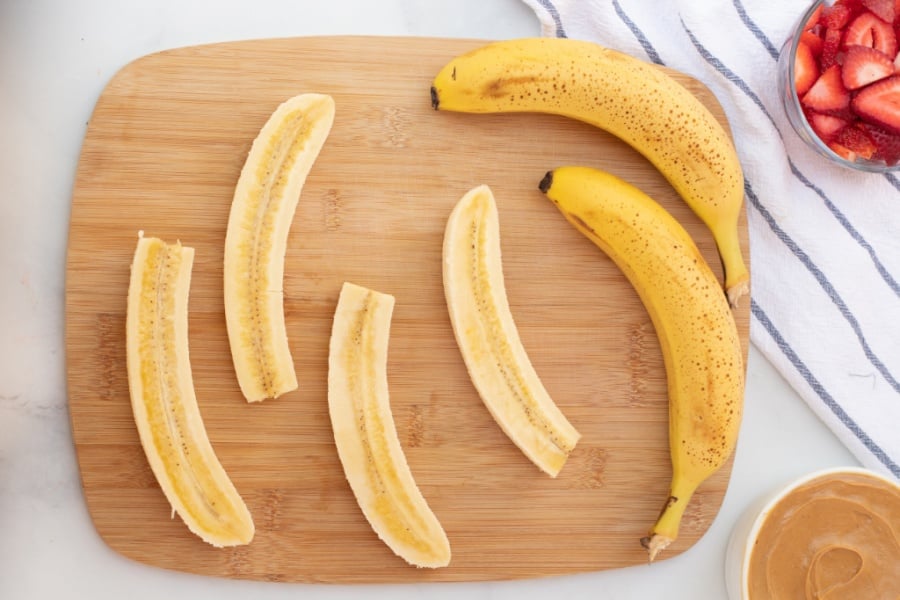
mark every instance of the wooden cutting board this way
{"type": "Point", "coordinates": [162, 153]}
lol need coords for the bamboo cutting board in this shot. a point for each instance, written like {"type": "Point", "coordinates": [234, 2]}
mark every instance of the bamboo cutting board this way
{"type": "Point", "coordinates": [162, 153]}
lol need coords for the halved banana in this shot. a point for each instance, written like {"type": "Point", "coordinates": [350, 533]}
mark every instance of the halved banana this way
{"type": "Point", "coordinates": [262, 210]}
{"type": "Point", "coordinates": [489, 341]}
{"type": "Point", "coordinates": [365, 434]}
{"type": "Point", "coordinates": [163, 401]}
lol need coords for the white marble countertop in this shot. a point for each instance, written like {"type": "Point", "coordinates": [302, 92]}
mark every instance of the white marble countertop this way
{"type": "Point", "coordinates": [55, 59]}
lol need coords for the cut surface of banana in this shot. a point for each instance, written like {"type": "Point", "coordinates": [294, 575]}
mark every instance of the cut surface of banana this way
{"type": "Point", "coordinates": [488, 338]}
{"type": "Point", "coordinates": [163, 399]}
{"type": "Point", "coordinates": [365, 434]}
{"type": "Point", "coordinates": [262, 210]}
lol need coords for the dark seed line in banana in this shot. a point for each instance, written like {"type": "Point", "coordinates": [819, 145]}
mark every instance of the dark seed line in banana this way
{"type": "Point", "coordinates": [365, 435]}
{"type": "Point", "coordinates": [499, 344]}
{"type": "Point", "coordinates": [262, 210]}
{"type": "Point", "coordinates": [168, 422]}
{"type": "Point", "coordinates": [392, 502]}
{"type": "Point", "coordinates": [163, 402]}
{"type": "Point", "coordinates": [488, 339]}
{"type": "Point", "coordinates": [271, 180]}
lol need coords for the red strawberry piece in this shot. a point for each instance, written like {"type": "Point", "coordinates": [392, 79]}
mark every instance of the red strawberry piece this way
{"type": "Point", "coordinates": [878, 103]}
{"type": "Point", "coordinates": [830, 48]}
{"type": "Point", "coordinates": [805, 69]}
{"type": "Point", "coordinates": [812, 40]}
{"type": "Point", "coordinates": [814, 18]}
{"type": "Point", "coordinates": [883, 9]}
{"type": "Point", "coordinates": [826, 126]}
{"type": "Point", "coordinates": [869, 30]}
{"type": "Point", "coordinates": [842, 151]}
{"type": "Point", "coordinates": [856, 6]}
{"type": "Point", "coordinates": [828, 93]}
{"type": "Point", "coordinates": [864, 65]}
{"type": "Point", "coordinates": [857, 141]}
{"type": "Point", "coordinates": [836, 16]}
{"type": "Point", "coordinates": [887, 144]}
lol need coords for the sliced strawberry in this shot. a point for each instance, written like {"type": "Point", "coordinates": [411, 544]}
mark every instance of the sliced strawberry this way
{"type": "Point", "coordinates": [830, 48]}
{"type": "Point", "coordinates": [857, 141]}
{"type": "Point", "coordinates": [805, 69]}
{"type": "Point", "coordinates": [869, 30]}
{"type": "Point", "coordinates": [855, 6]}
{"type": "Point", "coordinates": [878, 103]}
{"type": "Point", "coordinates": [828, 93]}
{"type": "Point", "coordinates": [864, 65]}
{"type": "Point", "coordinates": [887, 144]}
{"type": "Point", "coordinates": [814, 18]}
{"type": "Point", "coordinates": [835, 17]}
{"type": "Point", "coordinates": [842, 151]}
{"type": "Point", "coordinates": [883, 9]}
{"type": "Point", "coordinates": [826, 126]}
{"type": "Point", "coordinates": [812, 40]}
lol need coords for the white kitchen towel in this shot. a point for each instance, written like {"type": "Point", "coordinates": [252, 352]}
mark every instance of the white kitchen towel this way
{"type": "Point", "coordinates": [824, 241]}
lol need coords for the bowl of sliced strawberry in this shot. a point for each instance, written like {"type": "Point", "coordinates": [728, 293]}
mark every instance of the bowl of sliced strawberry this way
{"type": "Point", "coordinates": [839, 79]}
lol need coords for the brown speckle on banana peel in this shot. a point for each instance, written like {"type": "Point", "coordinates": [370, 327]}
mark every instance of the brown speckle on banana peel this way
{"type": "Point", "coordinates": [631, 99]}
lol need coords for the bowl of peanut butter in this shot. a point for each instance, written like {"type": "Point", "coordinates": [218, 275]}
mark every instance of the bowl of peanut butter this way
{"type": "Point", "coordinates": [829, 535]}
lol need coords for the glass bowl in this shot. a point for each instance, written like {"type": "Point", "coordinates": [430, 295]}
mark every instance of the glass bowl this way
{"type": "Point", "coordinates": [794, 110]}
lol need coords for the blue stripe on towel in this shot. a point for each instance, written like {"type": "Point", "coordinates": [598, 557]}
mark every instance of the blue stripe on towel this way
{"type": "Point", "coordinates": [820, 390]}
{"type": "Point", "coordinates": [823, 282]}
{"type": "Point", "coordinates": [832, 208]}
{"type": "Point", "coordinates": [888, 278]}
{"type": "Point", "coordinates": [767, 44]}
{"type": "Point", "coordinates": [755, 30]}
{"type": "Point", "coordinates": [641, 38]}
{"type": "Point", "coordinates": [554, 14]}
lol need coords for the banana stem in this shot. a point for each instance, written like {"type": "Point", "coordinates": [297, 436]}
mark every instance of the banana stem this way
{"type": "Point", "coordinates": [665, 530]}
{"type": "Point", "coordinates": [737, 278]}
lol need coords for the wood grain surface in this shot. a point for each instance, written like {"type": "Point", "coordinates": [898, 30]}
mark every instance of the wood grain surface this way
{"type": "Point", "coordinates": [162, 154]}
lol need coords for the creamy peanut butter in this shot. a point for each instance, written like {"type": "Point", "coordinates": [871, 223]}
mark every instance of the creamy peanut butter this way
{"type": "Point", "coordinates": [836, 537]}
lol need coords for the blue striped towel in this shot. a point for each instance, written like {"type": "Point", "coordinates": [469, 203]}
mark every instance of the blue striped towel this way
{"type": "Point", "coordinates": [824, 241]}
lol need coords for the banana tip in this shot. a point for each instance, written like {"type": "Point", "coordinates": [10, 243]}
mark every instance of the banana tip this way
{"type": "Point", "coordinates": [546, 182]}
{"type": "Point", "coordinates": [435, 101]}
{"type": "Point", "coordinates": [737, 291]}
{"type": "Point", "coordinates": [655, 544]}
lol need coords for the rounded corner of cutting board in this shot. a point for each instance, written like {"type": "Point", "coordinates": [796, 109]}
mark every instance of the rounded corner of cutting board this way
{"type": "Point", "coordinates": [383, 132]}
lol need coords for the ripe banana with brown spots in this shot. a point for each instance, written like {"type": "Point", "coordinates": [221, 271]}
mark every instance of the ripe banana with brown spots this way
{"type": "Point", "coordinates": [629, 98]}
{"type": "Point", "coordinates": [696, 329]}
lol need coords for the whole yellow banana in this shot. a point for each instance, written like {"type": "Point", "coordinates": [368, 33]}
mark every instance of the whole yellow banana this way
{"type": "Point", "coordinates": [629, 98]}
{"type": "Point", "coordinates": [696, 329]}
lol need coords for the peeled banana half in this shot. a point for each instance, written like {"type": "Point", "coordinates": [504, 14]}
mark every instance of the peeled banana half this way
{"type": "Point", "coordinates": [696, 329]}
{"type": "Point", "coordinates": [163, 399]}
{"type": "Point", "coordinates": [489, 340]}
{"type": "Point", "coordinates": [262, 210]}
{"type": "Point", "coordinates": [624, 96]}
{"type": "Point", "coordinates": [365, 434]}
